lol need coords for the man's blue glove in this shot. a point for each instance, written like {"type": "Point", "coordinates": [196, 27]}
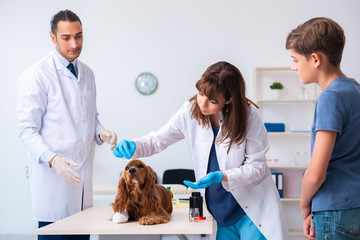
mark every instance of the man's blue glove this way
{"type": "Point", "coordinates": [210, 178]}
{"type": "Point", "coordinates": [124, 149]}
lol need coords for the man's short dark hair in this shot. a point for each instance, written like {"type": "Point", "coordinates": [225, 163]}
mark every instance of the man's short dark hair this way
{"type": "Point", "coordinates": [64, 15]}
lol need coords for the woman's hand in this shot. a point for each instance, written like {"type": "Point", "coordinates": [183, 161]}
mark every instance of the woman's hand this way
{"type": "Point", "coordinates": [206, 181]}
{"type": "Point", "coordinates": [125, 149]}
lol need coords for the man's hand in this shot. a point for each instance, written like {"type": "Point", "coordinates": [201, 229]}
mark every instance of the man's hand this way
{"type": "Point", "coordinates": [63, 168]}
{"type": "Point", "coordinates": [108, 137]}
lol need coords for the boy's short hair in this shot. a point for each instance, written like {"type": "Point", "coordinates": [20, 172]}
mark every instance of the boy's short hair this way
{"type": "Point", "coordinates": [318, 34]}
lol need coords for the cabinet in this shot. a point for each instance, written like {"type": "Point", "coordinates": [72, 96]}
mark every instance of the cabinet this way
{"type": "Point", "coordinates": [295, 108]}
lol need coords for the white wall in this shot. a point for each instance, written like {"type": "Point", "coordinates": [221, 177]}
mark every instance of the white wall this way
{"type": "Point", "coordinates": [176, 40]}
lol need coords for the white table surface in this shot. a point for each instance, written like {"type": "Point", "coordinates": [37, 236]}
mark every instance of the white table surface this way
{"type": "Point", "coordinates": [96, 220]}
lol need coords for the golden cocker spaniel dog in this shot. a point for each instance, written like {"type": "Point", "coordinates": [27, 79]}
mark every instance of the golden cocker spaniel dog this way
{"type": "Point", "coordinates": [139, 198]}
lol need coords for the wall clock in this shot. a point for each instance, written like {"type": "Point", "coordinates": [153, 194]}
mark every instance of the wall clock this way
{"type": "Point", "coordinates": [146, 83]}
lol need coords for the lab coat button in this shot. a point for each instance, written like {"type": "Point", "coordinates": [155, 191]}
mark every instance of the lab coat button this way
{"type": "Point", "coordinates": [246, 207]}
{"type": "Point", "coordinates": [259, 225]}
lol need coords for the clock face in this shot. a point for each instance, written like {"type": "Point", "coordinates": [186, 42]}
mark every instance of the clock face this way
{"type": "Point", "coordinates": [146, 83]}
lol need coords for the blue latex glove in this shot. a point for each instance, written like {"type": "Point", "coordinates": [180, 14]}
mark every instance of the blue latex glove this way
{"type": "Point", "coordinates": [124, 149]}
{"type": "Point", "coordinates": [210, 178]}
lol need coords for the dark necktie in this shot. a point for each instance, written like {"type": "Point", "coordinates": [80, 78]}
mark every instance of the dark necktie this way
{"type": "Point", "coordinates": [72, 69]}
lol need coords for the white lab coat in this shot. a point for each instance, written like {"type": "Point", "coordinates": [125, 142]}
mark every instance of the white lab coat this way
{"type": "Point", "coordinates": [250, 180]}
{"type": "Point", "coordinates": [56, 111]}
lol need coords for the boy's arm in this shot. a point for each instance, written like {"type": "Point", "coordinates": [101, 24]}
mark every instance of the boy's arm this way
{"type": "Point", "coordinates": [315, 174]}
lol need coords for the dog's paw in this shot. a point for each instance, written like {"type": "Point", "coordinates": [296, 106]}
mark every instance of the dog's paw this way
{"type": "Point", "coordinates": [150, 220]}
{"type": "Point", "coordinates": [121, 217]}
{"type": "Point", "coordinates": [146, 221]}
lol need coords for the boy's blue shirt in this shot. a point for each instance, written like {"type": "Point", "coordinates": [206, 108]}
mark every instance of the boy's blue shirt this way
{"type": "Point", "coordinates": [338, 109]}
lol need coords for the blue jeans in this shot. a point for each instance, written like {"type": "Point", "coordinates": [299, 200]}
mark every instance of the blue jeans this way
{"type": "Point", "coordinates": [244, 229]}
{"type": "Point", "coordinates": [60, 237]}
{"type": "Point", "coordinates": [337, 224]}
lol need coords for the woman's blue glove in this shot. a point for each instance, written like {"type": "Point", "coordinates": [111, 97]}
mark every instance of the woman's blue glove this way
{"type": "Point", "coordinates": [210, 178]}
{"type": "Point", "coordinates": [124, 149]}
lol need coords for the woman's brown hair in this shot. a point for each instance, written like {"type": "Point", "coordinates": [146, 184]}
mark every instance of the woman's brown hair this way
{"type": "Point", "coordinates": [222, 78]}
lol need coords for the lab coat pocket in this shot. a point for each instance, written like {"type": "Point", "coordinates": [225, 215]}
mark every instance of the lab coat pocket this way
{"type": "Point", "coordinates": [236, 156]}
{"type": "Point", "coordinates": [265, 189]}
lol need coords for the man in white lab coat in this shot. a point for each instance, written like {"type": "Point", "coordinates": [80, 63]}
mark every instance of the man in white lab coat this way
{"type": "Point", "coordinates": [58, 123]}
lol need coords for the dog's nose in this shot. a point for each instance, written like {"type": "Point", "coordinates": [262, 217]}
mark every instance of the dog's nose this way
{"type": "Point", "coordinates": [132, 170]}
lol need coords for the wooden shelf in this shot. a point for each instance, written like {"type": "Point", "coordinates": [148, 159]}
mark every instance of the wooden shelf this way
{"type": "Point", "coordinates": [273, 69]}
{"type": "Point", "coordinates": [290, 200]}
{"type": "Point", "coordinates": [294, 109]}
{"type": "Point", "coordinates": [287, 166]}
{"type": "Point", "coordinates": [292, 134]}
{"type": "Point", "coordinates": [295, 233]}
{"type": "Point", "coordinates": [286, 100]}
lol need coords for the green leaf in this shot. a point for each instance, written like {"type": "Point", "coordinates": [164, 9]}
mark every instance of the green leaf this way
{"type": "Point", "coordinates": [277, 85]}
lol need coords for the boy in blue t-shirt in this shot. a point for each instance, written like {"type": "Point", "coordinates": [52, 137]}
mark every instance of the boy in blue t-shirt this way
{"type": "Point", "coordinates": [330, 201]}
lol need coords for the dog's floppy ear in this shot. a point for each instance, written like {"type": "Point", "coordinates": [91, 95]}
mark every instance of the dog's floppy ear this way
{"type": "Point", "coordinates": [121, 196]}
{"type": "Point", "coordinates": [149, 190]}
{"type": "Point", "coordinates": [150, 179]}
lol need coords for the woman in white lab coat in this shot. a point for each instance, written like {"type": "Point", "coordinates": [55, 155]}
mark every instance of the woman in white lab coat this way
{"type": "Point", "coordinates": [227, 141]}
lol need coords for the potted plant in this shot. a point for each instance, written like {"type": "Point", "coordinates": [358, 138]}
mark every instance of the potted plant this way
{"type": "Point", "coordinates": [276, 88]}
